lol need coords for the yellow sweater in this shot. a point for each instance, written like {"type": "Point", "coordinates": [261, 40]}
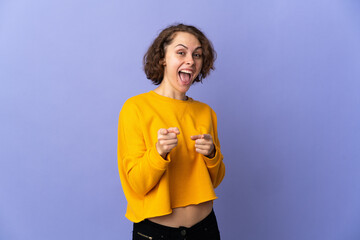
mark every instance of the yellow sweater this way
{"type": "Point", "coordinates": [152, 185]}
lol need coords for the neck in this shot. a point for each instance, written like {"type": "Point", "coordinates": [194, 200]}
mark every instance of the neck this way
{"type": "Point", "coordinates": [164, 91]}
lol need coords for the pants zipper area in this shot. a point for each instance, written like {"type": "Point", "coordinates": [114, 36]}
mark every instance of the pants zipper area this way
{"type": "Point", "coordinates": [143, 235]}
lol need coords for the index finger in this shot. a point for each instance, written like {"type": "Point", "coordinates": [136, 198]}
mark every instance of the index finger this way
{"type": "Point", "coordinates": [201, 136]}
{"type": "Point", "coordinates": [207, 136]}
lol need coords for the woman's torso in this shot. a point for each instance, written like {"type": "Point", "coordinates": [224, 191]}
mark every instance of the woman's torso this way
{"type": "Point", "coordinates": [185, 216]}
{"type": "Point", "coordinates": [187, 179]}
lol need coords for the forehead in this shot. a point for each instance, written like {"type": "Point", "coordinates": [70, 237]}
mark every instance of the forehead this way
{"type": "Point", "coordinates": [187, 39]}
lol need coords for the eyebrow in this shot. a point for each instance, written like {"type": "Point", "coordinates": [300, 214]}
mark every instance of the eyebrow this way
{"type": "Point", "coordinates": [187, 47]}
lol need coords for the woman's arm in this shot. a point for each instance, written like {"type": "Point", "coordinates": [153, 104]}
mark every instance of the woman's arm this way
{"type": "Point", "coordinates": [215, 165]}
{"type": "Point", "coordinates": [209, 147]}
{"type": "Point", "coordinates": [142, 167]}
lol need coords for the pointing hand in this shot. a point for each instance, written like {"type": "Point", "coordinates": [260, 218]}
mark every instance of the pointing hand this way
{"type": "Point", "coordinates": [204, 144]}
{"type": "Point", "coordinates": [167, 140]}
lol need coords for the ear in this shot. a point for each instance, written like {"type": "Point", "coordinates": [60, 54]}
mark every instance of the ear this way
{"type": "Point", "coordinates": [162, 62]}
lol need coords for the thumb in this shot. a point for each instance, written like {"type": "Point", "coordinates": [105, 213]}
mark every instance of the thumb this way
{"type": "Point", "coordinates": [174, 130]}
{"type": "Point", "coordinates": [163, 131]}
{"type": "Point", "coordinates": [195, 137]}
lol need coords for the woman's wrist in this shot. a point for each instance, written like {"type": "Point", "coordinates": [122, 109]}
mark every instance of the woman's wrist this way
{"type": "Point", "coordinates": [212, 154]}
{"type": "Point", "coordinates": [163, 155]}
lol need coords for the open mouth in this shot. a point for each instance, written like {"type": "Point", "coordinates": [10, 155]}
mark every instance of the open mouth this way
{"type": "Point", "coordinates": [185, 76]}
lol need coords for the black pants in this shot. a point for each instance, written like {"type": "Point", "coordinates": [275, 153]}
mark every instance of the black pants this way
{"type": "Point", "coordinates": [207, 229]}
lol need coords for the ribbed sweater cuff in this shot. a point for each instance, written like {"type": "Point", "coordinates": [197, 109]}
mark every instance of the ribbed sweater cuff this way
{"type": "Point", "coordinates": [157, 161]}
{"type": "Point", "coordinates": [211, 162]}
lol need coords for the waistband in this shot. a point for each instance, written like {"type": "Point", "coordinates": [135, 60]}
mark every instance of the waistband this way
{"type": "Point", "coordinates": [205, 222]}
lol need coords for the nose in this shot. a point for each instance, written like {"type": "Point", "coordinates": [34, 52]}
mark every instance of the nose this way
{"type": "Point", "coordinates": [190, 60]}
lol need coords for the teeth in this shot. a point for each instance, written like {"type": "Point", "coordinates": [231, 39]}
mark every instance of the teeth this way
{"type": "Point", "coordinates": [185, 71]}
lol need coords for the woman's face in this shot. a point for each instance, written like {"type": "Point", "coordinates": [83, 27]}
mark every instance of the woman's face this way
{"type": "Point", "coordinates": [183, 61]}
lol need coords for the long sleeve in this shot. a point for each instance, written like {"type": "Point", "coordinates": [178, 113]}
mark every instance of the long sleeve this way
{"type": "Point", "coordinates": [142, 166]}
{"type": "Point", "coordinates": [215, 165]}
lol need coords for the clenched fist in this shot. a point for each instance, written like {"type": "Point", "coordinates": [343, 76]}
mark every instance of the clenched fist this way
{"type": "Point", "coordinates": [167, 140]}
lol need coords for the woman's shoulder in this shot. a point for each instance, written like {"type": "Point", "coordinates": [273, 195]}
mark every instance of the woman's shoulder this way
{"type": "Point", "coordinates": [134, 103]}
{"type": "Point", "coordinates": [137, 100]}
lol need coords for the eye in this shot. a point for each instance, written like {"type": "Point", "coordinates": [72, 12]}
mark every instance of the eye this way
{"type": "Point", "coordinates": [181, 53]}
{"type": "Point", "coordinates": [197, 55]}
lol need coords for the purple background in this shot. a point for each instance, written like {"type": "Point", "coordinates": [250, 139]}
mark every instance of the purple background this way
{"type": "Point", "coordinates": [286, 90]}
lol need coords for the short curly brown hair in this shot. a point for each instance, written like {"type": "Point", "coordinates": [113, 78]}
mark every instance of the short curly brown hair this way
{"type": "Point", "coordinates": [153, 68]}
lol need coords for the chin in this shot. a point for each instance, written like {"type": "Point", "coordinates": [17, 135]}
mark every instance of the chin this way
{"type": "Point", "coordinates": [184, 89]}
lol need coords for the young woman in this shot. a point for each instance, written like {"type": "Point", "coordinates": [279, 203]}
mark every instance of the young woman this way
{"type": "Point", "coordinates": [168, 148]}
